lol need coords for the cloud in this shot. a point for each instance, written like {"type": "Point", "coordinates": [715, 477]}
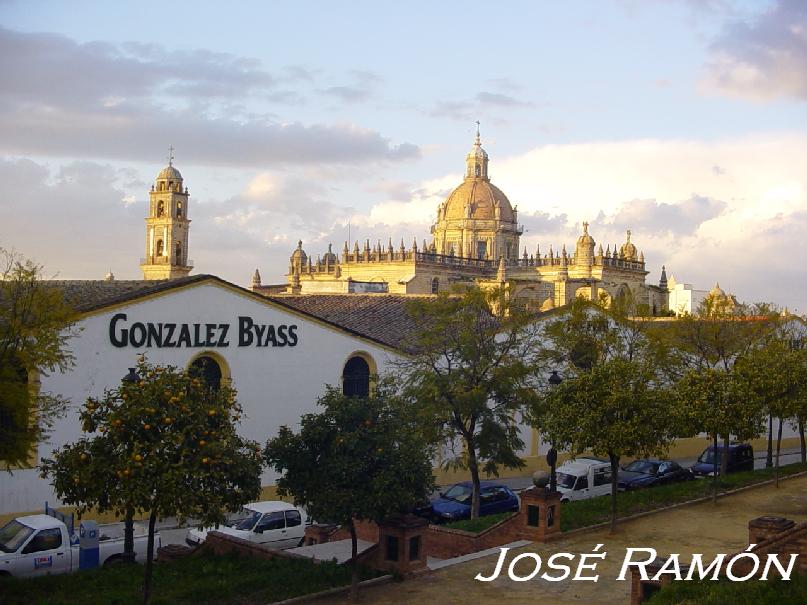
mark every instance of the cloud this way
{"type": "Point", "coordinates": [62, 98]}
{"type": "Point", "coordinates": [763, 58]}
{"type": "Point", "coordinates": [681, 218]}
{"type": "Point", "coordinates": [501, 100]}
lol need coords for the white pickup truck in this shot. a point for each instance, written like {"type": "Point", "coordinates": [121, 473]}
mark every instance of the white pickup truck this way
{"type": "Point", "coordinates": [37, 545]}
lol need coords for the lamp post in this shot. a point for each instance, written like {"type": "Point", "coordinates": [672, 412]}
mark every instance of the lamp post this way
{"type": "Point", "coordinates": [128, 555]}
{"type": "Point", "coordinates": [552, 454]}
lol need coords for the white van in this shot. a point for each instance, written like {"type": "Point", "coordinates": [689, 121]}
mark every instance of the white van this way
{"type": "Point", "coordinates": [584, 478]}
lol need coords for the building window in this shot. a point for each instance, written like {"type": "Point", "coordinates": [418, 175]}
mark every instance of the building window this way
{"type": "Point", "coordinates": [178, 256]}
{"type": "Point", "coordinates": [15, 405]}
{"type": "Point", "coordinates": [414, 548]}
{"type": "Point", "coordinates": [160, 208]}
{"type": "Point", "coordinates": [435, 286]}
{"type": "Point", "coordinates": [209, 370]}
{"type": "Point", "coordinates": [392, 548]}
{"type": "Point", "coordinates": [481, 250]}
{"type": "Point", "coordinates": [179, 209]}
{"type": "Point", "coordinates": [478, 170]}
{"type": "Point", "coordinates": [160, 248]}
{"type": "Point", "coordinates": [356, 377]}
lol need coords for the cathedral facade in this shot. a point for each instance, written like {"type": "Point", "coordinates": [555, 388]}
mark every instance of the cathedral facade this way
{"type": "Point", "coordinates": [475, 240]}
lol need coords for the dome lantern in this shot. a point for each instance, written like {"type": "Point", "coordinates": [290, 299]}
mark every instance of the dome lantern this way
{"type": "Point", "coordinates": [476, 162]}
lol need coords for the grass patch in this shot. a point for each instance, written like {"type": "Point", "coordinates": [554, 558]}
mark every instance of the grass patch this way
{"type": "Point", "coordinates": [478, 525]}
{"type": "Point", "coordinates": [753, 592]}
{"type": "Point", "coordinates": [582, 513]}
{"type": "Point", "coordinates": [203, 580]}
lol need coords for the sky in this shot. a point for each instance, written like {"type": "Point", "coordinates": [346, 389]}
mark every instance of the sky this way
{"type": "Point", "coordinates": [684, 121]}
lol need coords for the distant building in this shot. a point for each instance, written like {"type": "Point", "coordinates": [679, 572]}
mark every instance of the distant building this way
{"type": "Point", "coordinates": [167, 227]}
{"type": "Point", "coordinates": [475, 240]}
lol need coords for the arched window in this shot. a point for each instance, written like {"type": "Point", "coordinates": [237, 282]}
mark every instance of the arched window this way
{"type": "Point", "coordinates": [435, 286]}
{"type": "Point", "coordinates": [178, 256]}
{"type": "Point", "coordinates": [478, 170]}
{"type": "Point", "coordinates": [179, 209]}
{"type": "Point", "coordinates": [160, 208]}
{"type": "Point", "coordinates": [208, 369]}
{"type": "Point", "coordinates": [160, 248]}
{"type": "Point", "coordinates": [356, 377]}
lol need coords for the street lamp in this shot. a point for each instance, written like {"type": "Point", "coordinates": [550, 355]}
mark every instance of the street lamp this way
{"type": "Point", "coordinates": [128, 555]}
{"type": "Point", "coordinates": [552, 454]}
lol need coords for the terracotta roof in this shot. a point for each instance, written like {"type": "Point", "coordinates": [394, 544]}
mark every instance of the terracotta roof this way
{"type": "Point", "coordinates": [380, 317]}
{"type": "Point", "coordinates": [90, 294]}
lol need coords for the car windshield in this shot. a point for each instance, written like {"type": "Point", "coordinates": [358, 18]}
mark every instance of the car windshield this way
{"type": "Point", "coordinates": [565, 480]}
{"type": "Point", "coordinates": [245, 520]}
{"type": "Point", "coordinates": [12, 535]}
{"type": "Point", "coordinates": [459, 493]}
{"type": "Point", "coordinates": [642, 466]}
{"type": "Point", "coordinates": [709, 457]}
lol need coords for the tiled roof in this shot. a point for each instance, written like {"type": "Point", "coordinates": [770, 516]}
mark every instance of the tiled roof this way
{"type": "Point", "coordinates": [380, 317]}
{"type": "Point", "coordinates": [90, 294]}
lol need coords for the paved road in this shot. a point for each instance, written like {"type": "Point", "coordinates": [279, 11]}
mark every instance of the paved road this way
{"type": "Point", "coordinates": [706, 529]}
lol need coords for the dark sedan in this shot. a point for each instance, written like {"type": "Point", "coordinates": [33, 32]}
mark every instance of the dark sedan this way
{"type": "Point", "coordinates": [455, 503]}
{"type": "Point", "coordinates": [647, 473]}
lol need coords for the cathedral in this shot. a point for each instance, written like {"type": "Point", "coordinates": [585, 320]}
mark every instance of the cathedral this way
{"type": "Point", "coordinates": [475, 240]}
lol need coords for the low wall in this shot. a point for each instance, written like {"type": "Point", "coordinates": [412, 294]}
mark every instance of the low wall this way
{"type": "Point", "coordinates": [446, 543]}
{"type": "Point", "coordinates": [218, 543]}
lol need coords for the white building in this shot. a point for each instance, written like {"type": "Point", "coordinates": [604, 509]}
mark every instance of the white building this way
{"type": "Point", "coordinates": [684, 299]}
{"type": "Point", "coordinates": [278, 357]}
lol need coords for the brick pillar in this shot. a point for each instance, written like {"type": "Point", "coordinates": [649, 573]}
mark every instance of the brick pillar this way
{"type": "Point", "coordinates": [318, 533]}
{"type": "Point", "coordinates": [762, 528]}
{"type": "Point", "coordinates": [401, 544]}
{"type": "Point", "coordinates": [539, 514]}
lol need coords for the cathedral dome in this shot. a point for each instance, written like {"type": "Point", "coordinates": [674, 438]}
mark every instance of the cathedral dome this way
{"type": "Point", "coordinates": [169, 173]}
{"type": "Point", "coordinates": [478, 199]}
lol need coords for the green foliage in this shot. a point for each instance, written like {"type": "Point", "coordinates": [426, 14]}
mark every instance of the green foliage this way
{"type": "Point", "coordinates": [200, 580]}
{"type": "Point", "coordinates": [470, 372]}
{"type": "Point", "coordinates": [584, 513]}
{"type": "Point", "coordinates": [35, 327]}
{"type": "Point", "coordinates": [615, 399]}
{"type": "Point", "coordinates": [480, 524]}
{"type": "Point", "coordinates": [360, 458]}
{"type": "Point", "coordinates": [165, 445]}
{"type": "Point", "coordinates": [770, 592]}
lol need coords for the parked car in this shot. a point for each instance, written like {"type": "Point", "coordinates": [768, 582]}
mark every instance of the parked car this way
{"type": "Point", "coordinates": [741, 458]}
{"type": "Point", "coordinates": [455, 503]}
{"type": "Point", "coordinates": [647, 473]}
{"type": "Point", "coordinates": [274, 523]}
{"type": "Point", "coordinates": [584, 478]}
{"type": "Point", "coordinates": [37, 545]}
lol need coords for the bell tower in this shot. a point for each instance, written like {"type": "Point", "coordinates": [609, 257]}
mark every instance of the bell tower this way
{"type": "Point", "coordinates": [167, 226]}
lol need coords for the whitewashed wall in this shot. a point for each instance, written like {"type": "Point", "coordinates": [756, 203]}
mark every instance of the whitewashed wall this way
{"type": "Point", "coordinates": [275, 384]}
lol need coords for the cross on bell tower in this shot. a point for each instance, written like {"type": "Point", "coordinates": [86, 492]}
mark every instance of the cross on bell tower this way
{"type": "Point", "coordinates": [167, 226]}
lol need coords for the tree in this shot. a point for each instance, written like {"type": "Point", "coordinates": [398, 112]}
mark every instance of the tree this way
{"type": "Point", "coordinates": [35, 327]}
{"type": "Point", "coordinates": [361, 458]}
{"type": "Point", "coordinates": [469, 370]}
{"type": "Point", "coordinates": [775, 375]}
{"type": "Point", "coordinates": [713, 340]}
{"type": "Point", "coordinates": [615, 397]}
{"type": "Point", "coordinates": [165, 446]}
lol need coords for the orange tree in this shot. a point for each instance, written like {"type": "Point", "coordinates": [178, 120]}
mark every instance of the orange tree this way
{"type": "Point", "coordinates": [165, 446]}
{"type": "Point", "coordinates": [360, 458]}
